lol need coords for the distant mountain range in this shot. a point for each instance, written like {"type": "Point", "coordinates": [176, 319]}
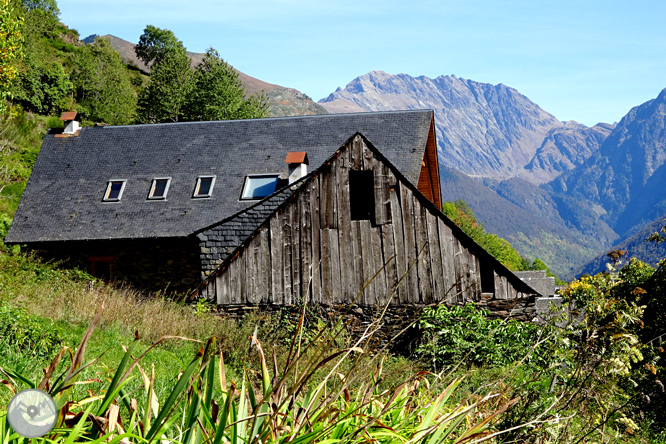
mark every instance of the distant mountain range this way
{"type": "Point", "coordinates": [561, 191]}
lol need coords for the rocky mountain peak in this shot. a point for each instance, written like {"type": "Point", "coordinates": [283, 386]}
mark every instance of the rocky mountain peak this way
{"type": "Point", "coordinates": [482, 129]}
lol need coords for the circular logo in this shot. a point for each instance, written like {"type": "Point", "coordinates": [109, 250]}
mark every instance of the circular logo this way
{"type": "Point", "coordinates": [32, 413]}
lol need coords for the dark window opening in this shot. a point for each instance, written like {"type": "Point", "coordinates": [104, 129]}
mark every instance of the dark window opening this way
{"type": "Point", "coordinates": [159, 188]}
{"type": "Point", "coordinates": [362, 195]}
{"type": "Point", "coordinates": [487, 279]}
{"type": "Point", "coordinates": [101, 267]}
{"type": "Point", "coordinates": [204, 186]}
{"type": "Point", "coordinates": [114, 190]}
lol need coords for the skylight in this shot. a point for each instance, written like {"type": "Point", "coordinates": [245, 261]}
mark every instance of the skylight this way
{"type": "Point", "coordinates": [159, 188]}
{"type": "Point", "coordinates": [114, 190]}
{"type": "Point", "coordinates": [259, 186]}
{"type": "Point", "coordinates": [204, 186]}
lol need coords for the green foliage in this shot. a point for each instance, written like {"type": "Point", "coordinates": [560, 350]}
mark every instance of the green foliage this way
{"type": "Point", "coordinates": [463, 216]}
{"type": "Point", "coordinates": [165, 97]}
{"type": "Point", "coordinates": [319, 394]}
{"type": "Point", "coordinates": [455, 334]}
{"type": "Point", "coordinates": [103, 88]}
{"type": "Point", "coordinates": [155, 44]}
{"type": "Point", "coordinates": [26, 334]}
{"type": "Point", "coordinates": [218, 94]}
{"type": "Point", "coordinates": [11, 27]}
{"type": "Point", "coordinates": [43, 87]}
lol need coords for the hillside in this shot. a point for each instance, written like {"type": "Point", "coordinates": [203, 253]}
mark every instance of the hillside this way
{"type": "Point", "coordinates": [636, 246]}
{"type": "Point", "coordinates": [623, 181]}
{"type": "Point", "coordinates": [282, 101]}
{"type": "Point", "coordinates": [533, 233]}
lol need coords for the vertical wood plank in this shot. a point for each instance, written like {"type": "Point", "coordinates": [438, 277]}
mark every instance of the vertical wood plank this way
{"type": "Point", "coordinates": [286, 257]}
{"type": "Point", "coordinates": [435, 257]}
{"type": "Point", "coordinates": [357, 153]}
{"type": "Point", "coordinates": [447, 253]}
{"type": "Point", "coordinates": [252, 271]}
{"type": "Point", "coordinates": [306, 244]}
{"type": "Point", "coordinates": [399, 244]}
{"type": "Point", "coordinates": [423, 262]}
{"type": "Point", "coordinates": [316, 246]}
{"type": "Point", "coordinates": [234, 285]}
{"type": "Point", "coordinates": [357, 255]}
{"type": "Point", "coordinates": [389, 258]}
{"type": "Point", "coordinates": [326, 278]}
{"type": "Point", "coordinates": [381, 293]}
{"type": "Point", "coordinates": [328, 214]}
{"type": "Point", "coordinates": [407, 206]}
{"type": "Point", "coordinates": [277, 272]}
{"type": "Point", "coordinates": [369, 296]}
{"type": "Point", "coordinates": [264, 266]}
{"type": "Point", "coordinates": [242, 267]}
{"type": "Point", "coordinates": [223, 287]}
{"type": "Point", "coordinates": [334, 259]}
{"type": "Point", "coordinates": [347, 276]}
{"type": "Point", "coordinates": [294, 207]}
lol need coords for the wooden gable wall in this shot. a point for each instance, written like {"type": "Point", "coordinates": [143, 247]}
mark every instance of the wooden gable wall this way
{"type": "Point", "coordinates": [312, 249]}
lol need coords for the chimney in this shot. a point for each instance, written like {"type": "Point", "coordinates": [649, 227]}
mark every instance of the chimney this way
{"type": "Point", "coordinates": [298, 165]}
{"type": "Point", "coordinates": [71, 122]}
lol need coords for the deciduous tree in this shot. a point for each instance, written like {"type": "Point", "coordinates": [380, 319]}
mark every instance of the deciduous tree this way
{"type": "Point", "coordinates": [218, 94]}
{"type": "Point", "coordinates": [103, 88]}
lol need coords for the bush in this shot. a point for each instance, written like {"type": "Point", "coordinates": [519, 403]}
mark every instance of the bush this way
{"type": "Point", "coordinates": [465, 333]}
{"type": "Point", "coordinates": [25, 334]}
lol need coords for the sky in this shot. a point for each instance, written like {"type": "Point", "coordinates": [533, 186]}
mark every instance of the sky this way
{"type": "Point", "coordinates": [584, 60]}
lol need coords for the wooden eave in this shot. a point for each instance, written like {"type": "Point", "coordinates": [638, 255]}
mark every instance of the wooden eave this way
{"type": "Point", "coordinates": [428, 183]}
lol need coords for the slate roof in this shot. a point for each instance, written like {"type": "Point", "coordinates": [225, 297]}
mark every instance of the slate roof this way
{"type": "Point", "coordinates": [63, 198]}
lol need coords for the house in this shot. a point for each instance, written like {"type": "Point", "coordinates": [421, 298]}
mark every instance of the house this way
{"type": "Point", "coordinates": [266, 211]}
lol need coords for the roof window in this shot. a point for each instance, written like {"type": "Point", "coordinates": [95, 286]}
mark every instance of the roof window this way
{"type": "Point", "coordinates": [114, 190]}
{"type": "Point", "coordinates": [159, 188]}
{"type": "Point", "coordinates": [204, 186]}
{"type": "Point", "coordinates": [258, 186]}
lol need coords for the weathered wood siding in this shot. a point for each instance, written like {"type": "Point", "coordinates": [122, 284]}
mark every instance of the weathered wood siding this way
{"type": "Point", "coordinates": [311, 249]}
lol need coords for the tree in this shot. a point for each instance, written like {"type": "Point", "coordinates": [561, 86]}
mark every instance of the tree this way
{"type": "Point", "coordinates": [218, 94]}
{"type": "Point", "coordinates": [103, 88]}
{"type": "Point", "coordinates": [165, 97]}
{"type": "Point", "coordinates": [43, 87]}
{"type": "Point", "coordinates": [155, 43]}
{"type": "Point", "coordinates": [10, 48]}
{"type": "Point", "coordinates": [463, 216]}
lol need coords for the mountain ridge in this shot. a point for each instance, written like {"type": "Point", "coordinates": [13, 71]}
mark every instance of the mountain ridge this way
{"type": "Point", "coordinates": [282, 101]}
{"type": "Point", "coordinates": [483, 130]}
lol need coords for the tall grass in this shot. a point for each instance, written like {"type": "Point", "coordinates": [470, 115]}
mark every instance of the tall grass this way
{"type": "Point", "coordinates": [287, 402]}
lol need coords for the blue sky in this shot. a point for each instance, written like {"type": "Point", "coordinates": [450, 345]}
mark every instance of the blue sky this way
{"type": "Point", "coordinates": [584, 60]}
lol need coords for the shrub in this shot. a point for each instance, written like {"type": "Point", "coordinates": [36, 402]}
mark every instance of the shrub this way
{"type": "Point", "coordinates": [27, 334]}
{"type": "Point", "coordinates": [452, 334]}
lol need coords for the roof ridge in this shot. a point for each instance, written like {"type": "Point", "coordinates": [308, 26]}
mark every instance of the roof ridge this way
{"type": "Point", "coordinates": [316, 116]}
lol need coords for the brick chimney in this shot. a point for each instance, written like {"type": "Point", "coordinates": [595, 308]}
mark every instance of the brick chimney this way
{"type": "Point", "coordinates": [298, 165]}
{"type": "Point", "coordinates": [71, 122]}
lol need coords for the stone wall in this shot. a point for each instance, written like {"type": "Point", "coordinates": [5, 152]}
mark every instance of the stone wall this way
{"type": "Point", "coordinates": [395, 326]}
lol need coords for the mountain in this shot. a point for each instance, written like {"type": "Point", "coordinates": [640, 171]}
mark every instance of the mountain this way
{"type": "Point", "coordinates": [282, 101]}
{"type": "Point", "coordinates": [623, 182]}
{"type": "Point", "coordinates": [636, 246]}
{"type": "Point", "coordinates": [482, 130]}
{"type": "Point", "coordinates": [533, 228]}
{"type": "Point", "coordinates": [565, 148]}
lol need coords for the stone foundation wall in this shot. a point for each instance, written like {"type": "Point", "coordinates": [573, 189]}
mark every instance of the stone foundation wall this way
{"type": "Point", "coordinates": [396, 322]}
